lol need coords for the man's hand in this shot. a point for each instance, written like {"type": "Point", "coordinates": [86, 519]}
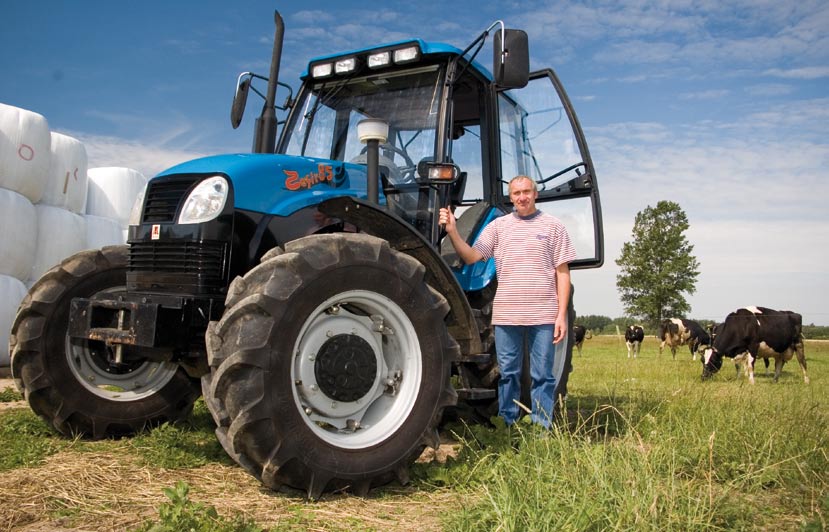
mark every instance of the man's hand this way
{"type": "Point", "coordinates": [560, 331]}
{"type": "Point", "coordinates": [467, 253]}
{"type": "Point", "coordinates": [447, 220]}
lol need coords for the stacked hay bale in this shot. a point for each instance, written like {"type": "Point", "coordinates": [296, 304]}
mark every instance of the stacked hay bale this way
{"type": "Point", "coordinates": [51, 205]}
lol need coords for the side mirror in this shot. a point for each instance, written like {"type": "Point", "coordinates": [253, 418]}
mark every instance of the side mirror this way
{"type": "Point", "coordinates": [511, 59]}
{"type": "Point", "coordinates": [237, 110]}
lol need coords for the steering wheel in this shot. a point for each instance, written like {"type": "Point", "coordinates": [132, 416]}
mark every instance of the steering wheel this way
{"type": "Point", "coordinates": [407, 172]}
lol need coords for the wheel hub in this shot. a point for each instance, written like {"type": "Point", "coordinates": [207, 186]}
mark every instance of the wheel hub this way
{"type": "Point", "coordinates": [345, 368]}
{"type": "Point", "coordinates": [356, 369]}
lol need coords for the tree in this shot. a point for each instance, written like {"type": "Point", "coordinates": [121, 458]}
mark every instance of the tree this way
{"type": "Point", "coordinates": [594, 322]}
{"type": "Point", "coordinates": [658, 266]}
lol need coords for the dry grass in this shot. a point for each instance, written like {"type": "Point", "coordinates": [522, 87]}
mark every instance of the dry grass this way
{"type": "Point", "coordinates": [104, 491]}
{"type": "Point", "coordinates": [109, 490]}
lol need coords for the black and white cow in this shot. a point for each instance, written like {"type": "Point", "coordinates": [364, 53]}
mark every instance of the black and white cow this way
{"type": "Point", "coordinates": [580, 334]}
{"type": "Point", "coordinates": [634, 335]}
{"type": "Point", "coordinates": [740, 361]}
{"type": "Point", "coordinates": [675, 332]}
{"type": "Point", "coordinates": [757, 332]}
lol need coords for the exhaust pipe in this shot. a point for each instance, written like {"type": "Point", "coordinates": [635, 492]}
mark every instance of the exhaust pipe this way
{"type": "Point", "coordinates": [264, 140]}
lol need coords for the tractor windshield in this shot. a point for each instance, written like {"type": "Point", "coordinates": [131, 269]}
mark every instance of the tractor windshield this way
{"type": "Point", "coordinates": [325, 123]}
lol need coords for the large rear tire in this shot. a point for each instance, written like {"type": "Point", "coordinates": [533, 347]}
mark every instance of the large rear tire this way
{"type": "Point", "coordinates": [71, 383]}
{"type": "Point", "coordinates": [330, 368]}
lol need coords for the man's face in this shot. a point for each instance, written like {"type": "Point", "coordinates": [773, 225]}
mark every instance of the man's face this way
{"type": "Point", "coordinates": [522, 195]}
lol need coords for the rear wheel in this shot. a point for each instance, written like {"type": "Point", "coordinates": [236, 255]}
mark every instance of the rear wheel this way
{"type": "Point", "coordinates": [74, 384]}
{"type": "Point", "coordinates": [330, 368]}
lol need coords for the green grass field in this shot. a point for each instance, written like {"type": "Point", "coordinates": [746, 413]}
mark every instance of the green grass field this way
{"type": "Point", "coordinates": [639, 445]}
{"type": "Point", "coordinates": [643, 444]}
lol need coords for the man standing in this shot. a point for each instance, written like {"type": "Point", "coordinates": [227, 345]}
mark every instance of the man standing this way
{"type": "Point", "coordinates": [532, 252]}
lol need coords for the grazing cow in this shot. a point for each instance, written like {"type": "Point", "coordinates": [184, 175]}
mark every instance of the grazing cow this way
{"type": "Point", "coordinates": [757, 332]}
{"type": "Point", "coordinates": [634, 335]}
{"type": "Point", "coordinates": [739, 360]}
{"type": "Point", "coordinates": [675, 332]}
{"type": "Point", "coordinates": [581, 334]}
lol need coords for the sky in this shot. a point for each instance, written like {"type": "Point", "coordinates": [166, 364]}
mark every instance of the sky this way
{"type": "Point", "coordinates": [720, 106]}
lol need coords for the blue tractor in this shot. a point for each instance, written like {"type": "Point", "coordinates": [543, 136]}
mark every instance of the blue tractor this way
{"type": "Point", "coordinates": [304, 290]}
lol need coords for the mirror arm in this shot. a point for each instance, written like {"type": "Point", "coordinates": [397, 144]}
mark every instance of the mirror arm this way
{"type": "Point", "coordinates": [288, 100]}
{"type": "Point", "coordinates": [480, 40]}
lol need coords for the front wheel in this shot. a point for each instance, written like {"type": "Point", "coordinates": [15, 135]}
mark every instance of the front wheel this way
{"type": "Point", "coordinates": [74, 384]}
{"type": "Point", "coordinates": [330, 368]}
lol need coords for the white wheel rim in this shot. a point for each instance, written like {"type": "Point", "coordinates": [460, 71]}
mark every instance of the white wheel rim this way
{"type": "Point", "coordinates": [135, 383]}
{"type": "Point", "coordinates": [388, 343]}
{"type": "Point", "coordinates": [87, 362]}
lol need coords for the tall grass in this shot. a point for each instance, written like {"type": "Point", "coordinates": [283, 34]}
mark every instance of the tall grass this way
{"type": "Point", "coordinates": [639, 445]}
{"type": "Point", "coordinates": [645, 445]}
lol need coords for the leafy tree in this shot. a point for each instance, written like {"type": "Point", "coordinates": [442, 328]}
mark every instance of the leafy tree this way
{"type": "Point", "coordinates": [658, 266]}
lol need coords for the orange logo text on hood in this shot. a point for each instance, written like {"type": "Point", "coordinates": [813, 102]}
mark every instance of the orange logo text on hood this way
{"type": "Point", "coordinates": [324, 174]}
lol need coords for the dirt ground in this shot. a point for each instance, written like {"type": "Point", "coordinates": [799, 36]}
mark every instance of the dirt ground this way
{"type": "Point", "coordinates": [105, 491]}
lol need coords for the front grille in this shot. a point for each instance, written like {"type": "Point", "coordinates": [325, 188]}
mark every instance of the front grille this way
{"type": "Point", "coordinates": [202, 263]}
{"type": "Point", "coordinates": [164, 196]}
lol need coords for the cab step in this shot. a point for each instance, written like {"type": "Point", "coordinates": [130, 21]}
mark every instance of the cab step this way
{"type": "Point", "coordinates": [474, 394]}
{"type": "Point", "coordinates": [476, 358]}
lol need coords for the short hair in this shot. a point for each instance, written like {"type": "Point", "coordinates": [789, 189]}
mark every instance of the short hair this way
{"type": "Point", "coordinates": [528, 178]}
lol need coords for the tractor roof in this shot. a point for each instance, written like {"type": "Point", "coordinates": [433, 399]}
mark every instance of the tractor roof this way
{"type": "Point", "coordinates": [426, 49]}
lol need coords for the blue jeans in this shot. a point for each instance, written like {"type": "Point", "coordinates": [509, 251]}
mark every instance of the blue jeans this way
{"type": "Point", "coordinates": [509, 344]}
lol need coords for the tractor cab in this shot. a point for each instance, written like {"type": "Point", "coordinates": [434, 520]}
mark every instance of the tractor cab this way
{"type": "Point", "coordinates": [442, 108]}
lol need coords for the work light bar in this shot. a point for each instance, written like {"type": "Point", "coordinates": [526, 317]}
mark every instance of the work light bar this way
{"type": "Point", "coordinates": [374, 60]}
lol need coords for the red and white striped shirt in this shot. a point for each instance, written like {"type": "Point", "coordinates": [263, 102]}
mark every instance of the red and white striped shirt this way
{"type": "Point", "coordinates": [527, 252]}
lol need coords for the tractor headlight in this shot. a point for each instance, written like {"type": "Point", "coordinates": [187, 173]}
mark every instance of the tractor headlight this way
{"type": "Point", "coordinates": [344, 66]}
{"type": "Point", "coordinates": [380, 59]}
{"type": "Point", "coordinates": [407, 55]}
{"type": "Point", "coordinates": [205, 202]}
{"type": "Point", "coordinates": [322, 71]}
{"type": "Point", "coordinates": [138, 207]}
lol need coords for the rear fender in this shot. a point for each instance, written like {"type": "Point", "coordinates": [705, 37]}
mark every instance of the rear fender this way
{"type": "Point", "coordinates": [375, 221]}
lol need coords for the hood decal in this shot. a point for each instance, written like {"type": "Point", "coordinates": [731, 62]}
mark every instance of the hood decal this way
{"type": "Point", "coordinates": [324, 174]}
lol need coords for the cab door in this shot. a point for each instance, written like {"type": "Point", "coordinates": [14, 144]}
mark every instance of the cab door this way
{"type": "Point", "coordinates": [540, 137]}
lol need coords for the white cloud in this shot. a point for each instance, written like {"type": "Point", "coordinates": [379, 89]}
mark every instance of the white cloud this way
{"type": "Point", "coordinates": [690, 33]}
{"type": "Point", "coordinates": [754, 191]}
{"type": "Point", "coordinates": [814, 72]}
{"type": "Point", "coordinates": [147, 159]}
{"type": "Point", "coordinates": [712, 94]}
{"type": "Point", "coordinates": [313, 17]}
{"type": "Point", "coordinates": [769, 89]}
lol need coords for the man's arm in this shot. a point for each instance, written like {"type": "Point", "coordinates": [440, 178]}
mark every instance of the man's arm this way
{"type": "Point", "coordinates": [466, 252]}
{"type": "Point", "coordinates": [563, 293]}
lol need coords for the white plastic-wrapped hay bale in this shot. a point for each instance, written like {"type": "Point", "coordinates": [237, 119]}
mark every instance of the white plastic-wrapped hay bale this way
{"type": "Point", "coordinates": [112, 192]}
{"type": "Point", "coordinates": [102, 232]}
{"type": "Point", "coordinates": [18, 234]}
{"type": "Point", "coordinates": [12, 292]}
{"type": "Point", "coordinates": [60, 233]}
{"type": "Point", "coordinates": [24, 151]}
{"type": "Point", "coordinates": [66, 184]}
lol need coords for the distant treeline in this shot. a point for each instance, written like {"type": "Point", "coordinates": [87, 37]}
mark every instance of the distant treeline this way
{"type": "Point", "coordinates": [605, 325]}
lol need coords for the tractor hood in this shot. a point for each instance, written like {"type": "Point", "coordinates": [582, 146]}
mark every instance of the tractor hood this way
{"type": "Point", "coordinates": [279, 184]}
